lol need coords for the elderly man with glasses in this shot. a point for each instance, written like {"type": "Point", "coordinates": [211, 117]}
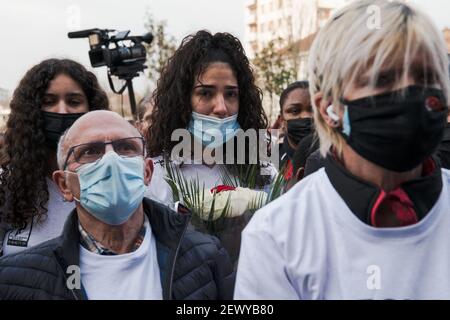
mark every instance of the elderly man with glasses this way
{"type": "Point", "coordinates": [116, 244]}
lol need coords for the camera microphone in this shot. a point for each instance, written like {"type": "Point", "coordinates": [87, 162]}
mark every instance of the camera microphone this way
{"type": "Point", "coordinates": [123, 55]}
{"type": "Point", "coordinates": [81, 33]}
{"type": "Point", "coordinates": [147, 38]}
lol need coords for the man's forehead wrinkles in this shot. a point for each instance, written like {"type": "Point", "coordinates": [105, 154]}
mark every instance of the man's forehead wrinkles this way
{"type": "Point", "coordinates": [101, 131]}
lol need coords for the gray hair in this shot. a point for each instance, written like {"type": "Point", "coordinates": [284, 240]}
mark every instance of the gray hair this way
{"type": "Point", "coordinates": [61, 151]}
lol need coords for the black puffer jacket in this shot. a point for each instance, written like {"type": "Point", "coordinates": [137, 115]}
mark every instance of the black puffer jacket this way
{"type": "Point", "coordinates": [192, 265]}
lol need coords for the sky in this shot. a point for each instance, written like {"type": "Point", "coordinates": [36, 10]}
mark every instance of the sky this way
{"type": "Point", "coordinates": [35, 30]}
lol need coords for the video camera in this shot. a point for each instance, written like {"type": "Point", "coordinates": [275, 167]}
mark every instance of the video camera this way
{"type": "Point", "coordinates": [122, 60]}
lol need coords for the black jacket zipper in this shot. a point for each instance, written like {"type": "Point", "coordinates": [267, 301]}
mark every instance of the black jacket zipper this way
{"type": "Point", "coordinates": [175, 258]}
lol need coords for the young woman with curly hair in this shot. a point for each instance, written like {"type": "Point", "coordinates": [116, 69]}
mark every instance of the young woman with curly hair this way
{"type": "Point", "coordinates": [209, 75]}
{"type": "Point", "coordinates": [49, 98]}
{"type": "Point", "coordinates": [208, 83]}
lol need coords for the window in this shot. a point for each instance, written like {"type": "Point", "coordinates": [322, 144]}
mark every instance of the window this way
{"type": "Point", "coordinates": [280, 4]}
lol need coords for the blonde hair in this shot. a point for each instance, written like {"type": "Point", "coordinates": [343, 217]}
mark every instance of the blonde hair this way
{"type": "Point", "coordinates": [348, 47]}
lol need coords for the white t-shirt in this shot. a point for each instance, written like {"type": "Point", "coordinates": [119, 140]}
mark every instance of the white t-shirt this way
{"type": "Point", "coordinates": [309, 245]}
{"type": "Point", "coordinates": [133, 275]}
{"type": "Point", "coordinates": [210, 177]}
{"type": "Point", "coordinates": [35, 233]}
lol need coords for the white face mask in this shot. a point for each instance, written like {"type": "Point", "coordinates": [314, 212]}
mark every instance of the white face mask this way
{"type": "Point", "coordinates": [211, 131]}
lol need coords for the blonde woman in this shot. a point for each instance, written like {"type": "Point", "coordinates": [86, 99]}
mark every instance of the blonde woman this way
{"type": "Point", "coordinates": [374, 223]}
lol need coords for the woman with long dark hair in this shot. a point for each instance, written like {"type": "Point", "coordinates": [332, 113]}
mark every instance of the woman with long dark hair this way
{"type": "Point", "coordinates": [49, 98]}
{"type": "Point", "coordinates": [207, 86]}
{"type": "Point", "coordinates": [208, 75]}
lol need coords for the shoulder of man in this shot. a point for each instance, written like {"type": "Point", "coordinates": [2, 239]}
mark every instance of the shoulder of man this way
{"type": "Point", "coordinates": [191, 237]}
{"type": "Point", "coordinates": [209, 244]}
{"type": "Point", "coordinates": [199, 254]}
{"type": "Point", "coordinates": [33, 274]}
{"type": "Point", "coordinates": [38, 253]}
{"type": "Point", "coordinates": [203, 257]}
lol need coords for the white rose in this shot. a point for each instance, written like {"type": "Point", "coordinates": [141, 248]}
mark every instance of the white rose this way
{"type": "Point", "coordinates": [241, 199]}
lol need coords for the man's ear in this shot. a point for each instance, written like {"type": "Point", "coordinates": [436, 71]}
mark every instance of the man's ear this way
{"type": "Point", "coordinates": [148, 170]}
{"type": "Point", "coordinates": [59, 177]}
{"type": "Point", "coordinates": [327, 111]}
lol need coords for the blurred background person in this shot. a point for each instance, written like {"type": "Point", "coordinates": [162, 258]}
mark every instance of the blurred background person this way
{"type": "Point", "coordinates": [296, 122]}
{"type": "Point", "coordinates": [47, 101]}
{"type": "Point", "coordinates": [145, 109]}
{"type": "Point", "coordinates": [306, 149]}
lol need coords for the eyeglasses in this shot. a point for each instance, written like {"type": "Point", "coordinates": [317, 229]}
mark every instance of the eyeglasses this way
{"type": "Point", "coordinates": [93, 151]}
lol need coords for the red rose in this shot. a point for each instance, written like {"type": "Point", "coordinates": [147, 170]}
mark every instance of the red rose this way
{"type": "Point", "coordinates": [222, 188]}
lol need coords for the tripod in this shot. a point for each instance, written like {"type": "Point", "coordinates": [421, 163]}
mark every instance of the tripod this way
{"type": "Point", "coordinates": [126, 73]}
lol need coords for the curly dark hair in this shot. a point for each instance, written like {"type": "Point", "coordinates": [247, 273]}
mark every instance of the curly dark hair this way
{"type": "Point", "coordinates": [172, 98]}
{"type": "Point", "coordinates": [23, 188]}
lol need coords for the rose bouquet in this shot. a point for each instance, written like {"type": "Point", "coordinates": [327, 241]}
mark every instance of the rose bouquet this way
{"type": "Point", "coordinates": [224, 210]}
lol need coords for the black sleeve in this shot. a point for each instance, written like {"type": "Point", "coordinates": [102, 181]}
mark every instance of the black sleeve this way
{"type": "Point", "coordinates": [314, 162]}
{"type": "Point", "coordinates": [224, 275]}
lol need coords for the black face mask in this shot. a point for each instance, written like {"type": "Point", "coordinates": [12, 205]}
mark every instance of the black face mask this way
{"type": "Point", "coordinates": [55, 124]}
{"type": "Point", "coordinates": [297, 129]}
{"type": "Point", "coordinates": [444, 148]}
{"type": "Point", "coordinates": [446, 133]}
{"type": "Point", "coordinates": [396, 130]}
{"type": "Point", "coordinates": [288, 149]}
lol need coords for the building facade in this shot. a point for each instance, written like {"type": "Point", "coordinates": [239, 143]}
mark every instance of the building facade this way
{"type": "Point", "coordinates": [292, 26]}
{"type": "Point", "coordinates": [4, 108]}
{"type": "Point", "coordinates": [285, 21]}
{"type": "Point", "coordinates": [446, 32]}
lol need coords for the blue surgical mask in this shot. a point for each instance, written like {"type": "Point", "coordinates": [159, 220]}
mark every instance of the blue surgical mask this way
{"type": "Point", "coordinates": [211, 131]}
{"type": "Point", "coordinates": [112, 188]}
{"type": "Point", "coordinates": [346, 127]}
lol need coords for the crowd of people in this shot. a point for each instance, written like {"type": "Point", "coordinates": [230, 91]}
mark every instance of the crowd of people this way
{"type": "Point", "coordinates": [95, 207]}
